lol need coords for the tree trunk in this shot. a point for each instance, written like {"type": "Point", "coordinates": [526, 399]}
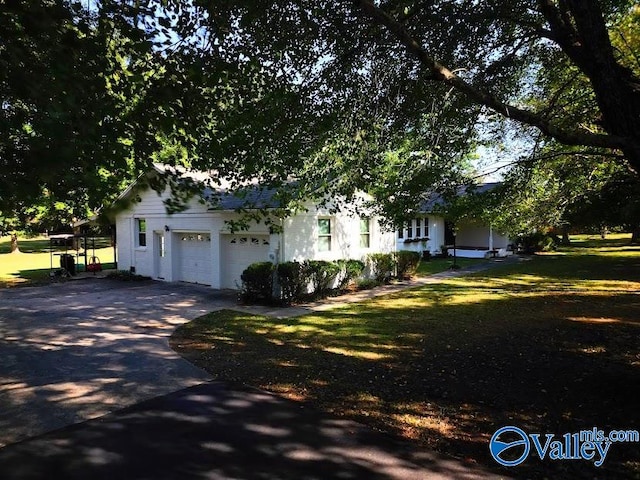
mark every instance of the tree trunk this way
{"type": "Point", "coordinates": [635, 235]}
{"type": "Point", "coordinates": [14, 243]}
{"type": "Point", "coordinates": [616, 88]}
{"type": "Point", "coordinates": [565, 236]}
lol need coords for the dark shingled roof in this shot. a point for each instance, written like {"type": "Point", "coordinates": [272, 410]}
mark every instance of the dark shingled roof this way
{"type": "Point", "coordinates": [436, 200]}
{"type": "Point", "coordinates": [251, 198]}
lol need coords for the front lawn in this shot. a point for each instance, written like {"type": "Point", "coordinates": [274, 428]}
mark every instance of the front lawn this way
{"type": "Point", "coordinates": [550, 345]}
{"type": "Point", "coordinates": [436, 265]}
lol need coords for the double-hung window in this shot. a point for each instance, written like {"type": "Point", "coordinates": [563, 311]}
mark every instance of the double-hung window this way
{"type": "Point", "coordinates": [365, 232]}
{"type": "Point", "coordinates": [324, 234]}
{"type": "Point", "coordinates": [141, 229]}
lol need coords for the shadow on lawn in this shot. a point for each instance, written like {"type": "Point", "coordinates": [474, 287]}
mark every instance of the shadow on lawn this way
{"type": "Point", "coordinates": [450, 374]}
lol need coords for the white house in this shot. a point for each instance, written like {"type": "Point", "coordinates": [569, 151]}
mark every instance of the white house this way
{"type": "Point", "coordinates": [198, 246]}
{"type": "Point", "coordinates": [429, 231]}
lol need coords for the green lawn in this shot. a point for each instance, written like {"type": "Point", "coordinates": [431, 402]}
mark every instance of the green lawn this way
{"type": "Point", "coordinates": [33, 264]}
{"type": "Point", "coordinates": [551, 345]}
{"type": "Point", "coordinates": [436, 265]}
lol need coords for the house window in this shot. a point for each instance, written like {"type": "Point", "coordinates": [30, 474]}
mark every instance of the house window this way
{"type": "Point", "coordinates": [410, 230]}
{"type": "Point", "coordinates": [324, 234]}
{"type": "Point", "coordinates": [426, 227]}
{"type": "Point", "coordinates": [401, 233]}
{"type": "Point", "coordinates": [418, 225]}
{"type": "Point", "coordinates": [141, 228]}
{"type": "Point", "coordinates": [365, 232]}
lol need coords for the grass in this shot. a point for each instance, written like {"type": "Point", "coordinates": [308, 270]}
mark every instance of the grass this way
{"type": "Point", "coordinates": [436, 265]}
{"type": "Point", "coordinates": [551, 345]}
{"type": "Point", "coordinates": [33, 264]}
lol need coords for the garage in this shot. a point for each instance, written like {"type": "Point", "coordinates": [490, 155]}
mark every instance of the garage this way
{"type": "Point", "coordinates": [193, 257]}
{"type": "Point", "coordinates": [238, 252]}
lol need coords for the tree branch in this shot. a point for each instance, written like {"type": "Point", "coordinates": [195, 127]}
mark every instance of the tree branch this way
{"type": "Point", "coordinates": [442, 74]}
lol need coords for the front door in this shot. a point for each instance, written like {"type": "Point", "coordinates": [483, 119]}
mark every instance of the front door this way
{"type": "Point", "coordinates": [160, 253]}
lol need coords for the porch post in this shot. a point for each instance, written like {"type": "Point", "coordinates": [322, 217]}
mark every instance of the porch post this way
{"type": "Point", "coordinates": [490, 237]}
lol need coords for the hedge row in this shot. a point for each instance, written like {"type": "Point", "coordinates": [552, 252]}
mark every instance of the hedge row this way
{"type": "Point", "coordinates": [297, 281]}
{"type": "Point", "coordinates": [291, 282]}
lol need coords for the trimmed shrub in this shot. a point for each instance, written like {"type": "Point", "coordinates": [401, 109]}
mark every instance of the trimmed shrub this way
{"type": "Point", "coordinates": [382, 266]}
{"type": "Point", "coordinates": [322, 274]}
{"type": "Point", "coordinates": [366, 284]}
{"type": "Point", "coordinates": [257, 282]}
{"type": "Point", "coordinates": [407, 263]}
{"type": "Point", "coordinates": [293, 278]}
{"type": "Point", "coordinates": [350, 271]}
{"type": "Point", "coordinates": [536, 242]}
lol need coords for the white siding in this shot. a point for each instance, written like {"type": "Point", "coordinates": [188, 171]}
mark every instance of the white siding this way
{"type": "Point", "coordinates": [301, 237]}
{"type": "Point", "coordinates": [124, 252]}
{"type": "Point", "coordinates": [151, 208]}
{"type": "Point", "coordinates": [299, 240]}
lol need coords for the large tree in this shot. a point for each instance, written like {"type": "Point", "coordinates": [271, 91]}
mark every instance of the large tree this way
{"type": "Point", "coordinates": [373, 88]}
{"type": "Point", "coordinates": [404, 54]}
{"type": "Point", "coordinates": [338, 94]}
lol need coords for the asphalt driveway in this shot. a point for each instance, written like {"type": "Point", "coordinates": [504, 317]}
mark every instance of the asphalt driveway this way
{"type": "Point", "coordinates": [73, 352]}
{"type": "Point", "coordinates": [77, 350]}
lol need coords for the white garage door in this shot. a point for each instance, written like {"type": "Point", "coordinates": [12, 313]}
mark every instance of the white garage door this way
{"type": "Point", "coordinates": [238, 252]}
{"type": "Point", "coordinates": [193, 252]}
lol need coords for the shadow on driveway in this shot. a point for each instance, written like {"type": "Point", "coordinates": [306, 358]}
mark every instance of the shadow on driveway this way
{"type": "Point", "coordinates": [78, 350]}
{"type": "Point", "coordinates": [216, 432]}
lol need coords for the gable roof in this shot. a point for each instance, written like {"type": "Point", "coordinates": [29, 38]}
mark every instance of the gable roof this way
{"type": "Point", "coordinates": [249, 195]}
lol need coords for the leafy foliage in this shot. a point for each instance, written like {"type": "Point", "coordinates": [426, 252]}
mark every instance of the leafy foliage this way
{"type": "Point", "coordinates": [293, 278]}
{"type": "Point", "coordinates": [407, 263]}
{"type": "Point", "coordinates": [257, 282]}
{"type": "Point", "coordinates": [350, 271]}
{"type": "Point", "coordinates": [383, 266]}
{"type": "Point", "coordinates": [322, 275]}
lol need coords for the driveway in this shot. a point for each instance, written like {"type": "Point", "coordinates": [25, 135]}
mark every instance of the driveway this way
{"type": "Point", "coordinates": [77, 350]}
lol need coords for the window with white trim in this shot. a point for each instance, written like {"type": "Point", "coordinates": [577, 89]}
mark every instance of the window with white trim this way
{"type": "Point", "coordinates": [324, 234]}
{"type": "Point", "coordinates": [416, 228]}
{"type": "Point", "coordinates": [141, 231]}
{"type": "Point", "coordinates": [365, 232]}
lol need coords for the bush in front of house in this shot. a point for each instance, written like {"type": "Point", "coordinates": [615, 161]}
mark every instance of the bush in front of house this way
{"type": "Point", "coordinates": [322, 274]}
{"type": "Point", "coordinates": [257, 282]}
{"type": "Point", "coordinates": [293, 278]}
{"type": "Point", "coordinates": [407, 263]}
{"type": "Point", "coordinates": [382, 266]}
{"type": "Point", "coordinates": [351, 270]}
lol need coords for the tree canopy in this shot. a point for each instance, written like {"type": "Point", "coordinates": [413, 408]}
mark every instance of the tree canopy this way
{"type": "Point", "coordinates": [391, 97]}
